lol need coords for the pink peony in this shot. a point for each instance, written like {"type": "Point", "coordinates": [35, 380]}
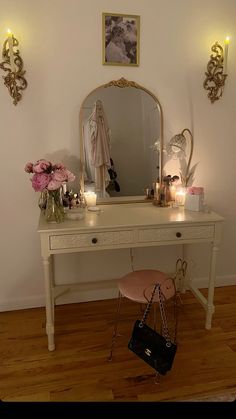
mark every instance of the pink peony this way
{"type": "Point", "coordinates": [48, 176]}
{"type": "Point", "coordinates": [70, 176]}
{"type": "Point", "coordinates": [53, 185]}
{"type": "Point", "coordinates": [40, 181]}
{"type": "Point", "coordinates": [60, 175]}
{"type": "Point", "coordinates": [29, 167]}
{"type": "Point", "coordinates": [58, 166]}
{"type": "Point", "coordinates": [42, 166]}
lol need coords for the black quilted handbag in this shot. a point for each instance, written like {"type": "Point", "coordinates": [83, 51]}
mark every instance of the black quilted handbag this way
{"type": "Point", "coordinates": [156, 350]}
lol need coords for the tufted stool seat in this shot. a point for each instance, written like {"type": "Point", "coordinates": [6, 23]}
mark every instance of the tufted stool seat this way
{"type": "Point", "coordinates": [138, 286]}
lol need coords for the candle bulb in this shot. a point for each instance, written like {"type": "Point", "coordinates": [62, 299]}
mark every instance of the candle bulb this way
{"type": "Point", "coordinates": [226, 54]}
{"type": "Point", "coordinates": [157, 190]}
{"type": "Point", "coordinates": [11, 52]}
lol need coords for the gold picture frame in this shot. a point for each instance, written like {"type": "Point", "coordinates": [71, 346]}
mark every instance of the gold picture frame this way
{"type": "Point", "coordinates": [120, 39]}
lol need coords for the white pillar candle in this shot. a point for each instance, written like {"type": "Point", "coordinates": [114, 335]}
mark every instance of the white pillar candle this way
{"type": "Point", "coordinates": [11, 52]}
{"type": "Point", "coordinates": [90, 198]}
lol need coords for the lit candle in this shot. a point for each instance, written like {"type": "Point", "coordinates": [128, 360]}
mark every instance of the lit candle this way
{"type": "Point", "coordinates": [11, 52]}
{"type": "Point", "coordinates": [226, 54]}
{"type": "Point", "coordinates": [180, 197]}
{"type": "Point", "coordinates": [90, 198]}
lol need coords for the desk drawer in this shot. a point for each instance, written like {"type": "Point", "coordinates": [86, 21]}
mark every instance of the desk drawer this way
{"type": "Point", "coordinates": [110, 238]}
{"type": "Point", "coordinates": [175, 233]}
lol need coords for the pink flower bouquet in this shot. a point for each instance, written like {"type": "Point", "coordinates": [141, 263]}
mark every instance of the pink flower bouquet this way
{"type": "Point", "coordinates": [48, 176]}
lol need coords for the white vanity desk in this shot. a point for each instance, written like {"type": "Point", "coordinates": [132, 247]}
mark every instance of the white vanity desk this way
{"type": "Point", "coordinates": [127, 226]}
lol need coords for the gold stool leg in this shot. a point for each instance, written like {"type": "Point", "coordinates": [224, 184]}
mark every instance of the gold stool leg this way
{"type": "Point", "coordinates": [114, 336]}
{"type": "Point", "coordinates": [157, 378]}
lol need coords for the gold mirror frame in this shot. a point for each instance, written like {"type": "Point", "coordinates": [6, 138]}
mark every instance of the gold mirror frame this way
{"type": "Point", "coordinates": [121, 83]}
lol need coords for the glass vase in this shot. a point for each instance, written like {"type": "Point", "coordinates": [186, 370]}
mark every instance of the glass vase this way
{"type": "Point", "coordinates": [54, 211]}
{"type": "Point", "coordinates": [42, 202]}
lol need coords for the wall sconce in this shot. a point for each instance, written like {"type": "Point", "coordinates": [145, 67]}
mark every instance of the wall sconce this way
{"type": "Point", "coordinates": [176, 149]}
{"type": "Point", "coordinates": [216, 71]}
{"type": "Point", "coordinates": [13, 65]}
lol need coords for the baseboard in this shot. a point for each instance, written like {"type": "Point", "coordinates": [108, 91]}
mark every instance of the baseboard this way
{"type": "Point", "coordinates": [87, 291]}
{"type": "Point", "coordinates": [92, 291]}
{"type": "Point", "coordinates": [221, 281]}
{"type": "Point", "coordinates": [22, 303]}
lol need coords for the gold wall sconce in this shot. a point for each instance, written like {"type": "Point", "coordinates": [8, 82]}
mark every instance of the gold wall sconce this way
{"type": "Point", "coordinates": [216, 71]}
{"type": "Point", "coordinates": [13, 65]}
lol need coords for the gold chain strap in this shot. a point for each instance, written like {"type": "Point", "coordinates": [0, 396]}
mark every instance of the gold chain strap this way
{"type": "Point", "coordinates": [163, 318]}
{"type": "Point", "coordinates": [148, 308]}
{"type": "Point", "coordinates": [162, 311]}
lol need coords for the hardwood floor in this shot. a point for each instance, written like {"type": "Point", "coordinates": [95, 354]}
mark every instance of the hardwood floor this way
{"type": "Point", "coordinates": [78, 370]}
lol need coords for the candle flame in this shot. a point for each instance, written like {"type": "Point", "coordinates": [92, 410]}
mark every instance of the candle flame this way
{"type": "Point", "coordinates": [9, 32]}
{"type": "Point", "coordinates": [227, 39]}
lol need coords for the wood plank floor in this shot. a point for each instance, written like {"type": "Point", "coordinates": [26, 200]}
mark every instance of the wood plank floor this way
{"type": "Point", "coordinates": [78, 370]}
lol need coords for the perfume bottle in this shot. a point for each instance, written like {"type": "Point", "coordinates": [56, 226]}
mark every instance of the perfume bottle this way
{"type": "Point", "coordinates": [163, 195]}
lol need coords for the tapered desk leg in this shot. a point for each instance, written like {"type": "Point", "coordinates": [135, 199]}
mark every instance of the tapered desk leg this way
{"type": "Point", "coordinates": [184, 279]}
{"type": "Point", "coordinates": [51, 262]}
{"type": "Point", "coordinates": [211, 287]}
{"type": "Point", "coordinates": [49, 303]}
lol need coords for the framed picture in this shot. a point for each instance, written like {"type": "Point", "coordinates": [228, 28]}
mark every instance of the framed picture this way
{"type": "Point", "coordinates": [120, 38]}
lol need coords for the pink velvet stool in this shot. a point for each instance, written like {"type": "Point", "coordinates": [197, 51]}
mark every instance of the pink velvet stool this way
{"type": "Point", "coordinates": [138, 286]}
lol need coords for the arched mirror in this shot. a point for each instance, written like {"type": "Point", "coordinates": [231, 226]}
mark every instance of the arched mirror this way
{"type": "Point", "coordinates": [121, 133]}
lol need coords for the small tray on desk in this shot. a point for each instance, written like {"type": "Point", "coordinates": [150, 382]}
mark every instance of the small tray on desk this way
{"type": "Point", "coordinates": [75, 213]}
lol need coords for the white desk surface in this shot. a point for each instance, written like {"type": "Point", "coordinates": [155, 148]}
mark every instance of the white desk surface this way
{"type": "Point", "coordinates": [133, 214]}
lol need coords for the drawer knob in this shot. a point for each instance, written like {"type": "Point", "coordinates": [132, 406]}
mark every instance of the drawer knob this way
{"type": "Point", "coordinates": [178, 234]}
{"type": "Point", "coordinates": [94, 240]}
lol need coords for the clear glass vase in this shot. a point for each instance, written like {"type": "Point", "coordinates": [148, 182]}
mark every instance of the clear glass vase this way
{"type": "Point", "coordinates": [54, 211]}
{"type": "Point", "coordinates": [42, 202]}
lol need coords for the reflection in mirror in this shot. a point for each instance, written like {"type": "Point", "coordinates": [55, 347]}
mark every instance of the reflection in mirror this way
{"type": "Point", "coordinates": [121, 147]}
{"type": "Point", "coordinates": [176, 148]}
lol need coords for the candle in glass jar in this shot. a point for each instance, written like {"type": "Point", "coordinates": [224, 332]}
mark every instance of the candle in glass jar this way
{"type": "Point", "coordinates": [90, 198]}
{"type": "Point", "coordinates": [180, 197]}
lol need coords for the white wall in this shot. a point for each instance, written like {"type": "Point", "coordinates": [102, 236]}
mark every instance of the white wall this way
{"type": "Point", "coordinates": [60, 42]}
